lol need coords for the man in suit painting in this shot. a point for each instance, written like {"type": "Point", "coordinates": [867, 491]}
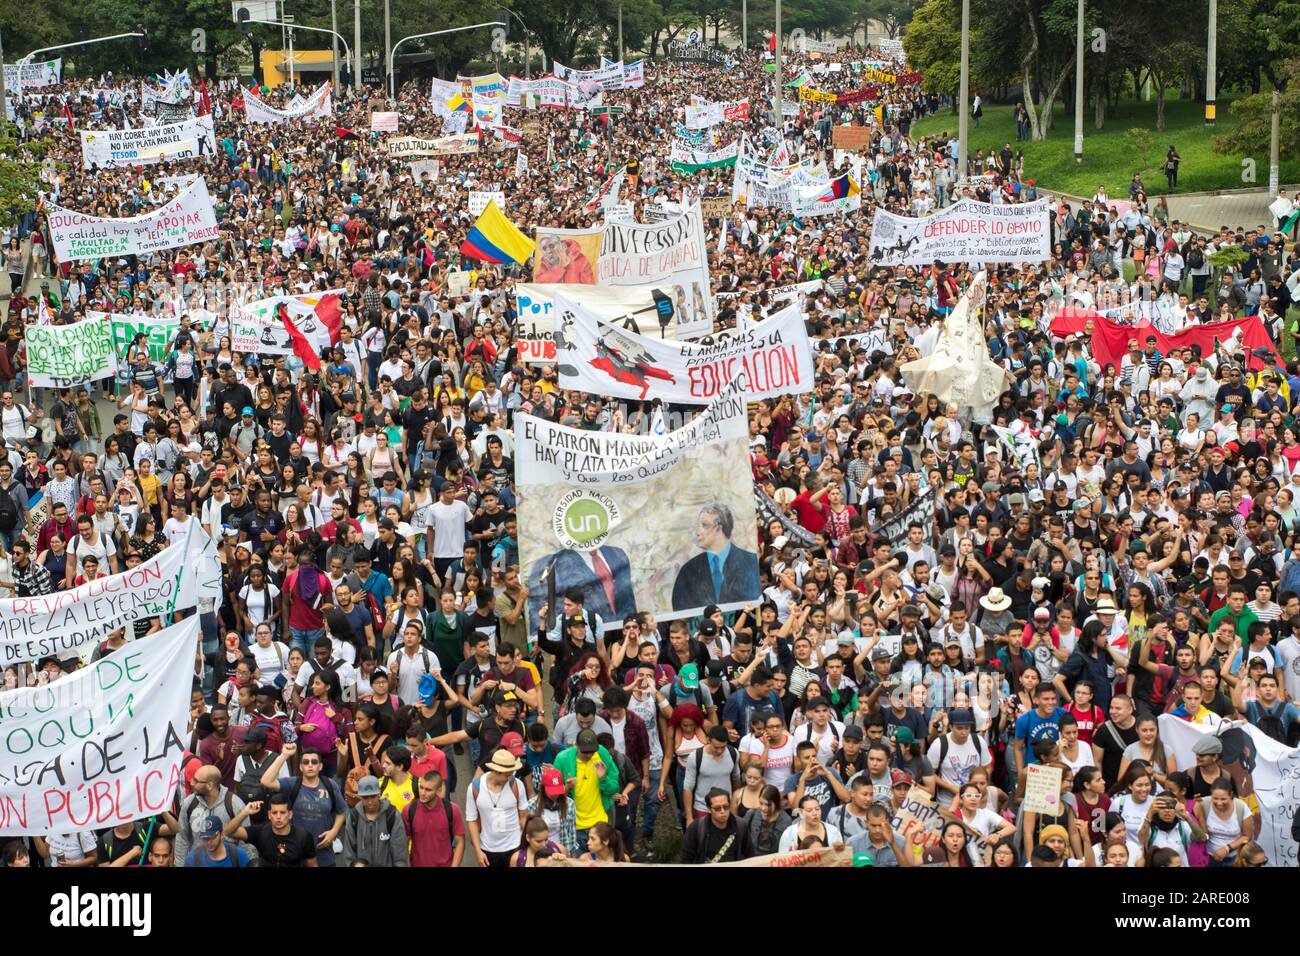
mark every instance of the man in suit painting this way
{"type": "Point", "coordinates": [603, 575]}
{"type": "Point", "coordinates": [722, 573]}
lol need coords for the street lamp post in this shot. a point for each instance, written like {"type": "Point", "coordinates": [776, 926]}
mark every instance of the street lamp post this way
{"type": "Point", "coordinates": [780, 109]}
{"type": "Point", "coordinates": [744, 24]}
{"type": "Point", "coordinates": [356, 40]}
{"type": "Point", "coordinates": [334, 41]}
{"type": "Point", "coordinates": [620, 33]}
{"type": "Point", "coordinates": [963, 93]}
{"type": "Point", "coordinates": [1078, 87]}
{"type": "Point", "coordinates": [347, 50]}
{"type": "Point", "coordinates": [388, 45]}
{"type": "Point", "coordinates": [392, 53]}
{"type": "Point", "coordinates": [1211, 62]}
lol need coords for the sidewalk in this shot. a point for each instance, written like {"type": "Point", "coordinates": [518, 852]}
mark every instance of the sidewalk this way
{"type": "Point", "coordinates": [1210, 211]}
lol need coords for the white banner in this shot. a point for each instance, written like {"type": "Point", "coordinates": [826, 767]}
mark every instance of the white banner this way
{"type": "Point", "coordinates": [773, 356]}
{"type": "Point", "coordinates": [102, 746]}
{"type": "Point", "coordinates": [690, 158]}
{"type": "Point", "coordinates": [405, 147]}
{"type": "Point", "coordinates": [702, 115]}
{"type": "Point", "coordinates": [133, 147]}
{"type": "Point", "coordinates": [479, 199]}
{"type": "Point", "coordinates": [608, 77]}
{"type": "Point", "coordinates": [186, 220]}
{"type": "Point", "coordinates": [265, 338]}
{"type": "Point", "coordinates": [1267, 775]}
{"type": "Point", "coordinates": [661, 523]}
{"type": "Point", "coordinates": [34, 75]}
{"type": "Point", "coordinates": [634, 307]}
{"type": "Point", "coordinates": [828, 198]}
{"type": "Point", "coordinates": [62, 356]}
{"type": "Point", "coordinates": [671, 252]}
{"type": "Point", "coordinates": [64, 622]}
{"type": "Point", "coordinates": [383, 122]}
{"type": "Point", "coordinates": [318, 104]}
{"type": "Point", "coordinates": [634, 75]}
{"type": "Point", "coordinates": [967, 231]}
{"type": "Point", "coordinates": [549, 90]}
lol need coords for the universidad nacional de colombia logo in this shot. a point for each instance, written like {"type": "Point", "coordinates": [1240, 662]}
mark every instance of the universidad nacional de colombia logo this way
{"type": "Point", "coordinates": [583, 519]}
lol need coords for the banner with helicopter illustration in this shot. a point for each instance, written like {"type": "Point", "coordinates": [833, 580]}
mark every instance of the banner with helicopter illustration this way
{"type": "Point", "coordinates": [654, 310]}
{"type": "Point", "coordinates": [771, 358]}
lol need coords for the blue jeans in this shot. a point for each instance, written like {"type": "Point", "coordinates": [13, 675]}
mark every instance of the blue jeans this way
{"type": "Point", "coordinates": [304, 640]}
{"type": "Point", "coordinates": [650, 805]}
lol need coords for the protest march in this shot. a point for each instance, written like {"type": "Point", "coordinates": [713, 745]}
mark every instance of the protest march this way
{"type": "Point", "coordinates": [630, 464]}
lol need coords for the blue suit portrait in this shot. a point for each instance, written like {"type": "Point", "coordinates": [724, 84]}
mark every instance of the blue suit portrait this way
{"type": "Point", "coordinates": [571, 571]}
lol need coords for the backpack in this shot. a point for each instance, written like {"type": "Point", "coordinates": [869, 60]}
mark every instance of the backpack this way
{"type": "Point", "coordinates": [1237, 805]}
{"type": "Point", "coordinates": [8, 511]}
{"type": "Point", "coordinates": [673, 691]}
{"type": "Point", "coordinates": [1269, 722]}
{"type": "Point", "coordinates": [1196, 258]}
{"type": "Point", "coordinates": [408, 817]}
{"type": "Point", "coordinates": [250, 786]}
{"type": "Point", "coordinates": [232, 851]}
{"type": "Point", "coordinates": [358, 769]}
{"type": "Point", "coordinates": [735, 761]}
{"type": "Point", "coordinates": [188, 807]}
{"type": "Point", "coordinates": [981, 751]}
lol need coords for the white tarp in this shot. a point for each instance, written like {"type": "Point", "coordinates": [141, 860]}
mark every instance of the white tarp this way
{"type": "Point", "coordinates": [967, 231]}
{"type": "Point", "coordinates": [102, 746]}
{"type": "Point", "coordinates": [309, 107]}
{"type": "Point", "coordinates": [636, 307]}
{"type": "Point", "coordinates": [672, 252]}
{"type": "Point", "coordinates": [186, 220]}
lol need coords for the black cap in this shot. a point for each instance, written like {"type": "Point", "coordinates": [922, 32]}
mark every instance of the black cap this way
{"type": "Point", "coordinates": [709, 626]}
{"type": "Point", "coordinates": [587, 742]}
{"type": "Point", "coordinates": [853, 732]}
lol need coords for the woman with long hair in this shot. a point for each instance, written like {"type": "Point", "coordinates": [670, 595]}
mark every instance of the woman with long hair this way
{"type": "Point", "coordinates": [748, 797]}
{"type": "Point", "coordinates": [769, 822]}
{"type": "Point", "coordinates": [951, 850]}
{"type": "Point", "coordinates": [553, 805]}
{"type": "Point", "coordinates": [588, 678]}
{"type": "Point", "coordinates": [1133, 793]}
{"type": "Point", "coordinates": [367, 741]}
{"type": "Point", "coordinates": [536, 844]}
{"type": "Point", "coordinates": [1150, 750]}
{"type": "Point", "coordinates": [322, 715]}
{"type": "Point", "coordinates": [605, 845]}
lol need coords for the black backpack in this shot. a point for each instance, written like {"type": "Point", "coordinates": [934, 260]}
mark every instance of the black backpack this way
{"type": "Point", "coordinates": [1195, 258]}
{"type": "Point", "coordinates": [8, 511]}
{"type": "Point", "coordinates": [1270, 724]}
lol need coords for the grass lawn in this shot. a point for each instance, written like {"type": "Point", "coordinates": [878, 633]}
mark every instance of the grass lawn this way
{"type": "Point", "coordinates": [1111, 156]}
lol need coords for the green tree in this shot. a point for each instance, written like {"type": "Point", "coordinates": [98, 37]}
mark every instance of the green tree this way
{"type": "Point", "coordinates": [20, 178]}
{"type": "Point", "coordinates": [1253, 115]}
{"type": "Point", "coordinates": [933, 46]}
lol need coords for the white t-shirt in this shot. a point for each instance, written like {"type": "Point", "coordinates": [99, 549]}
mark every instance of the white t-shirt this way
{"type": "Point", "coordinates": [271, 661]}
{"type": "Point", "coordinates": [1082, 759]}
{"type": "Point", "coordinates": [1134, 813]}
{"type": "Point", "coordinates": [827, 741]}
{"type": "Point", "coordinates": [959, 761]}
{"type": "Point", "coordinates": [780, 760]}
{"type": "Point", "coordinates": [411, 670]}
{"type": "Point", "coordinates": [499, 813]}
{"type": "Point", "coordinates": [1288, 651]}
{"type": "Point", "coordinates": [79, 547]}
{"type": "Point", "coordinates": [790, 838]}
{"type": "Point", "coordinates": [261, 604]}
{"type": "Point", "coordinates": [984, 822]}
{"type": "Point", "coordinates": [71, 846]}
{"type": "Point", "coordinates": [448, 525]}
{"type": "Point", "coordinates": [1223, 832]}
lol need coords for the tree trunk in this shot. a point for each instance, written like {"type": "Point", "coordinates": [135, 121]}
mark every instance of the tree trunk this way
{"type": "Point", "coordinates": [1051, 97]}
{"type": "Point", "coordinates": [1160, 100]}
{"type": "Point", "coordinates": [1026, 90]}
{"type": "Point", "coordinates": [1099, 118]}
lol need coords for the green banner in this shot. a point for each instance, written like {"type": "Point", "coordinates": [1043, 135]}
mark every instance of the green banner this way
{"type": "Point", "coordinates": [160, 332]}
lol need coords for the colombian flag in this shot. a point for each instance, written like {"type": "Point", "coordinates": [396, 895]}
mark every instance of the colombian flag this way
{"type": "Point", "coordinates": [458, 104]}
{"type": "Point", "coordinates": [496, 239]}
{"type": "Point", "coordinates": [840, 188]}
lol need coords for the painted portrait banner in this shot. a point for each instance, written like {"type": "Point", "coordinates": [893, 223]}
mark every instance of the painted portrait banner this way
{"type": "Point", "coordinates": [54, 625]}
{"type": "Point", "coordinates": [771, 358]}
{"type": "Point", "coordinates": [660, 523]}
{"type": "Point", "coordinates": [569, 256]}
{"type": "Point", "coordinates": [967, 231]}
{"type": "Point", "coordinates": [185, 220]}
{"type": "Point", "coordinates": [1266, 774]}
{"type": "Point", "coordinates": [102, 746]}
{"type": "Point", "coordinates": [107, 148]}
{"type": "Point", "coordinates": [648, 309]}
{"type": "Point", "coordinates": [61, 356]}
{"type": "Point", "coordinates": [670, 251]}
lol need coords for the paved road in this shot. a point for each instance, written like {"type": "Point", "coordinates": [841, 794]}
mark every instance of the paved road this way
{"type": "Point", "coordinates": [1247, 210]}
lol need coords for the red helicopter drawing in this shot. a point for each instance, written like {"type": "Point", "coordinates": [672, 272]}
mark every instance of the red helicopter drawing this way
{"type": "Point", "coordinates": [632, 370]}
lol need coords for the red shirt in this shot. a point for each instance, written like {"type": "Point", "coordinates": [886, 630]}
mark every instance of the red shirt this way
{"type": "Point", "coordinates": [302, 615]}
{"type": "Point", "coordinates": [430, 836]}
{"type": "Point", "coordinates": [435, 759]}
{"type": "Point", "coordinates": [1088, 721]}
{"type": "Point", "coordinates": [811, 516]}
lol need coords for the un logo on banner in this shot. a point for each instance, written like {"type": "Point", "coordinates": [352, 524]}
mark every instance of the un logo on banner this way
{"type": "Point", "coordinates": [583, 519]}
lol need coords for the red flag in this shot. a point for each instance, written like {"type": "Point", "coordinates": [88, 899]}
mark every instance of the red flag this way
{"type": "Point", "coordinates": [329, 312]}
{"type": "Point", "coordinates": [342, 132]}
{"type": "Point", "coordinates": [771, 43]}
{"type": "Point", "coordinates": [302, 346]}
{"type": "Point", "coordinates": [67, 111]}
{"type": "Point", "coordinates": [205, 104]}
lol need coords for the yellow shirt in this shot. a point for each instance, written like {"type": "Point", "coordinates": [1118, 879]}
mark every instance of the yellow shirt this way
{"type": "Point", "coordinates": [586, 794]}
{"type": "Point", "coordinates": [151, 489]}
{"type": "Point", "coordinates": [399, 794]}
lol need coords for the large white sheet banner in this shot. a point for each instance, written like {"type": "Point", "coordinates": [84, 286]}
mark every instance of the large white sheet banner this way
{"type": "Point", "coordinates": [661, 523]}
{"type": "Point", "coordinates": [310, 107]}
{"type": "Point", "coordinates": [64, 622]}
{"type": "Point", "coordinates": [773, 357]}
{"type": "Point", "coordinates": [549, 90]}
{"type": "Point", "coordinates": [672, 252]}
{"type": "Point", "coordinates": [102, 746]}
{"type": "Point", "coordinates": [1267, 775]}
{"type": "Point", "coordinates": [186, 220]}
{"type": "Point", "coordinates": [967, 231]}
{"type": "Point", "coordinates": [702, 115]}
{"type": "Point", "coordinates": [406, 147]}
{"type": "Point", "coordinates": [64, 356]}
{"type": "Point", "coordinates": [34, 75]}
{"type": "Point", "coordinates": [608, 77]}
{"type": "Point", "coordinates": [134, 147]}
{"type": "Point", "coordinates": [636, 307]}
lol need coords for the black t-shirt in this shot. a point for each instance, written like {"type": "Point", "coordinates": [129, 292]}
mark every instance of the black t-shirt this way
{"type": "Point", "coordinates": [294, 848]}
{"type": "Point", "coordinates": [1112, 750]}
{"type": "Point", "coordinates": [279, 445]}
{"type": "Point", "coordinates": [489, 733]}
{"type": "Point", "coordinates": [112, 847]}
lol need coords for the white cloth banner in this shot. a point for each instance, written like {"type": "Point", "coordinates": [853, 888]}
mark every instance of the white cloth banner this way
{"type": "Point", "coordinates": [102, 746]}
{"type": "Point", "coordinates": [607, 77]}
{"type": "Point", "coordinates": [67, 622]}
{"type": "Point", "coordinates": [406, 147]}
{"type": "Point", "coordinates": [385, 122]}
{"type": "Point", "coordinates": [133, 147]}
{"type": "Point", "coordinates": [633, 307]}
{"type": "Point", "coordinates": [34, 75]}
{"type": "Point", "coordinates": [64, 356]}
{"type": "Point", "coordinates": [967, 231]}
{"type": "Point", "coordinates": [773, 356]}
{"type": "Point", "coordinates": [671, 252]}
{"type": "Point", "coordinates": [479, 199]}
{"type": "Point", "coordinates": [310, 107]}
{"type": "Point", "coordinates": [186, 220]}
{"type": "Point", "coordinates": [1267, 775]}
{"type": "Point", "coordinates": [634, 75]}
{"type": "Point", "coordinates": [265, 338]}
{"type": "Point", "coordinates": [820, 199]}
{"type": "Point", "coordinates": [549, 90]}
{"type": "Point", "coordinates": [702, 115]}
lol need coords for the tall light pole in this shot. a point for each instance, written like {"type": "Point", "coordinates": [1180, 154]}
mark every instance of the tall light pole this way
{"type": "Point", "coordinates": [392, 52]}
{"type": "Point", "coordinates": [963, 93]}
{"type": "Point", "coordinates": [1078, 87]}
{"type": "Point", "coordinates": [5, 115]}
{"type": "Point", "coordinates": [1211, 62]}
{"type": "Point", "coordinates": [356, 41]}
{"type": "Point", "coordinates": [388, 45]}
{"type": "Point", "coordinates": [334, 41]}
{"type": "Point", "coordinates": [1274, 131]}
{"type": "Point", "coordinates": [744, 24]}
{"type": "Point", "coordinates": [620, 33]}
{"type": "Point", "coordinates": [780, 109]}
{"type": "Point", "coordinates": [291, 26]}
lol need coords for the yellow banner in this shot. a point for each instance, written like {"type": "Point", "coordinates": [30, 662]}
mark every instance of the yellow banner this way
{"type": "Point", "coordinates": [810, 95]}
{"type": "Point", "coordinates": [879, 76]}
